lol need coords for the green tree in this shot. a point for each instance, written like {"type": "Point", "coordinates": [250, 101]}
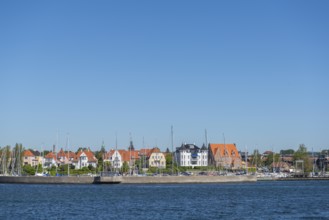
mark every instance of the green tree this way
{"type": "Point", "coordinates": [125, 167]}
{"type": "Point", "coordinates": [29, 170]}
{"type": "Point", "coordinates": [301, 154]}
{"type": "Point", "coordinates": [271, 158]}
{"type": "Point", "coordinates": [91, 168]}
{"type": "Point", "coordinates": [169, 159]}
{"type": "Point", "coordinates": [287, 152]}
{"type": "Point", "coordinates": [256, 159]}
{"type": "Point", "coordinates": [39, 168]}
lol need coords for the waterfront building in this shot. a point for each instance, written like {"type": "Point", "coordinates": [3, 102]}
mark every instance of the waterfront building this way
{"type": "Point", "coordinates": [225, 156]}
{"type": "Point", "coordinates": [130, 157]}
{"type": "Point", "coordinates": [63, 157]}
{"type": "Point", "coordinates": [115, 158]}
{"type": "Point", "coordinates": [29, 158]}
{"type": "Point", "coordinates": [191, 155]}
{"type": "Point", "coordinates": [51, 160]}
{"type": "Point", "coordinates": [118, 157]}
{"type": "Point", "coordinates": [85, 158]}
{"type": "Point", "coordinates": [156, 158]}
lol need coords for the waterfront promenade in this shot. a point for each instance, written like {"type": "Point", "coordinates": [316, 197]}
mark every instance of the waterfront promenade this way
{"type": "Point", "coordinates": [125, 179]}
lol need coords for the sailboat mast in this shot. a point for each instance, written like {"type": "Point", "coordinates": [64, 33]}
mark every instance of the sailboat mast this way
{"type": "Point", "coordinates": [172, 150]}
{"type": "Point", "coordinates": [68, 154]}
{"type": "Point", "coordinates": [57, 140]}
{"type": "Point", "coordinates": [116, 153]}
{"type": "Point", "coordinates": [246, 159]}
{"type": "Point", "coordinates": [206, 137]}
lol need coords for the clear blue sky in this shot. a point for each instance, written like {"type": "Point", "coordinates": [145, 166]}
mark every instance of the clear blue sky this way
{"type": "Point", "coordinates": [257, 71]}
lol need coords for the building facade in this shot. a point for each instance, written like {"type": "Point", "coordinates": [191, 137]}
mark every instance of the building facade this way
{"type": "Point", "coordinates": [85, 158]}
{"type": "Point", "coordinates": [225, 156]}
{"type": "Point", "coordinates": [190, 155]}
{"type": "Point", "coordinates": [156, 158]}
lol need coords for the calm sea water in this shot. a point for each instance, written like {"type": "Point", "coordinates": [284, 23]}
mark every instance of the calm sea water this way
{"type": "Point", "coordinates": [261, 200]}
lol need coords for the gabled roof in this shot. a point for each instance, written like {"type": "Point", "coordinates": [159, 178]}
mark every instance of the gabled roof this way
{"type": "Point", "coordinates": [50, 155]}
{"type": "Point", "coordinates": [230, 149]}
{"type": "Point", "coordinates": [109, 154]}
{"type": "Point", "coordinates": [153, 150]}
{"type": "Point", "coordinates": [66, 154]}
{"type": "Point", "coordinates": [127, 155]}
{"type": "Point", "coordinates": [61, 153]}
{"type": "Point", "coordinates": [144, 151]}
{"type": "Point", "coordinates": [28, 153]}
{"type": "Point", "coordinates": [90, 155]}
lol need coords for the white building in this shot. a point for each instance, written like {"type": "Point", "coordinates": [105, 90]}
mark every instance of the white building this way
{"type": "Point", "coordinates": [115, 158]}
{"type": "Point", "coordinates": [189, 155]}
{"type": "Point", "coordinates": [84, 159]}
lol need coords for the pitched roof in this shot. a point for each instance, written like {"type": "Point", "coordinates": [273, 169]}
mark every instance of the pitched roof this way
{"type": "Point", "coordinates": [109, 154]}
{"type": "Point", "coordinates": [230, 149]}
{"type": "Point", "coordinates": [144, 151]}
{"type": "Point", "coordinates": [50, 155]}
{"type": "Point", "coordinates": [61, 153]}
{"type": "Point", "coordinates": [28, 153]}
{"type": "Point", "coordinates": [153, 150]}
{"type": "Point", "coordinates": [127, 155]}
{"type": "Point", "coordinates": [90, 155]}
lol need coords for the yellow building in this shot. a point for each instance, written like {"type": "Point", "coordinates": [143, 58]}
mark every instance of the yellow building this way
{"type": "Point", "coordinates": [156, 158]}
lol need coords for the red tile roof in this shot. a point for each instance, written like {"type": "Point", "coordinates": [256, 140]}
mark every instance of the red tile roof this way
{"type": "Point", "coordinates": [50, 155]}
{"type": "Point", "coordinates": [90, 155]}
{"type": "Point", "coordinates": [153, 150]}
{"type": "Point", "coordinates": [28, 153]}
{"type": "Point", "coordinates": [224, 150]}
{"type": "Point", "coordinates": [127, 155]}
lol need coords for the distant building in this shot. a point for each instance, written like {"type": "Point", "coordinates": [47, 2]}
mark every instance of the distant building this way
{"type": "Point", "coordinates": [118, 157]}
{"type": "Point", "coordinates": [224, 155]}
{"type": "Point", "coordinates": [115, 158]}
{"type": "Point", "coordinates": [51, 160]}
{"type": "Point", "coordinates": [280, 167]}
{"type": "Point", "coordinates": [191, 155]}
{"type": "Point", "coordinates": [156, 158]}
{"type": "Point", "coordinates": [84, 158]}
{"type": "Point", "coordinates": [63, 157]}
{"type": "Point", "coordinates": [29, 158]}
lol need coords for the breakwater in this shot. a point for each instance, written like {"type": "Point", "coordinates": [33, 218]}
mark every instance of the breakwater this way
{"type": "Point", "coordinates": [125, 179]}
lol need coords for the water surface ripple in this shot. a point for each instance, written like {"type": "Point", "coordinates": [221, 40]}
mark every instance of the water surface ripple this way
{"type": "Point", "coordinates": [261, 200]}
